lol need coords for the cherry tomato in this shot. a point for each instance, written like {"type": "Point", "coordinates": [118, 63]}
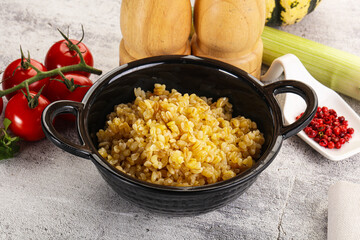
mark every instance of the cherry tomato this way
{"type": "Point", "coordinates": [76, 87]}
{"type": "Point", "coordinates": [26, 121]}
{"type": "Point", "coordinates": [59, 55]}
{"type": "Point", "coordinates": [75, 91]}
{"type": "Point", "coordinates": [14, 74]}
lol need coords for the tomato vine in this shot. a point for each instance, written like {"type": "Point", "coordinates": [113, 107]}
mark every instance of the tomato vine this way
{"type": "Point", "coordinates": [82, 66]}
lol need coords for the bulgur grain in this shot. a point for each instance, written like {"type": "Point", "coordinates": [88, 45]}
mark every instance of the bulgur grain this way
{"type": "Point", "coordinates": [172, 139]}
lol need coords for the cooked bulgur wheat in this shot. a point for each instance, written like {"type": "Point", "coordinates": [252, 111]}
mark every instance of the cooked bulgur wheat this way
{"type": "Point", "coordinates": [179, 140]}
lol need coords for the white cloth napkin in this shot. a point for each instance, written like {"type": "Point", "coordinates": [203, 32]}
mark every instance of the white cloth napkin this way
{"type": "Point", "coordinates": [344, 211]}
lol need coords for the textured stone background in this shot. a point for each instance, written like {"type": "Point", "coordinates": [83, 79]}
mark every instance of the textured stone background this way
{"type": "Point", "coordinates": [46, 193]}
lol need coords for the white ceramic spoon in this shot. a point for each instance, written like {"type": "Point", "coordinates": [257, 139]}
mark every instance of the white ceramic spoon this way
{"type": "Point", "coordinates": [294, 70]}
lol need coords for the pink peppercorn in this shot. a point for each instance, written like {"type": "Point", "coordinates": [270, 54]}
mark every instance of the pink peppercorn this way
{"type": "Point", "coordinates": [327, 129]}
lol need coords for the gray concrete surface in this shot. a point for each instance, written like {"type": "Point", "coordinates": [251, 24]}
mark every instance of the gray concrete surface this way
{"type": "Point", "coordinates": [46, 193]}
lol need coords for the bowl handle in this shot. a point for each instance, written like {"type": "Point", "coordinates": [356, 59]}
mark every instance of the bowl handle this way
{"type": "Point", "coordinates": [304, 91]}
{"type": "Point", "coordinates": [59, 107]}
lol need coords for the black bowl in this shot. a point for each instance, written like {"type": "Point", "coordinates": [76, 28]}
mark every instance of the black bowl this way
{"type": "Point", "coordinates": [187, 74]}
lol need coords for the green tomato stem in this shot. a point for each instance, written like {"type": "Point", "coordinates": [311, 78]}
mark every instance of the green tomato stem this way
{"type": "Point", "coordinates": [73, 47]}
{"type": "Point", "coordinates": [41, 75]}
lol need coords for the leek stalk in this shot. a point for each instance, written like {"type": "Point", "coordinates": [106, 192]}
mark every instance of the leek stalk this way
{"type": "Point", "coordinates": [332, 67]}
